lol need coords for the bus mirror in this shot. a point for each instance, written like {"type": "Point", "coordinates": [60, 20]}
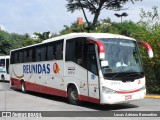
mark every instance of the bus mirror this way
{"type": "Point", "coordinates": [148, 47]}
{"type": "Point", "coordinates": [101, 49]}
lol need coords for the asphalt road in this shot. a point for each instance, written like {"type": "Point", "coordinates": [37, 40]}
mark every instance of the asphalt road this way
{"type": "Point", "coordinates": [14, 100]}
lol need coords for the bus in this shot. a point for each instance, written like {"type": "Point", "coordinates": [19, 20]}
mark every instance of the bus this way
{"type": "Point", "coordinates": [4, 68]}
{"type": "Point", "coordinates": [101, 68]}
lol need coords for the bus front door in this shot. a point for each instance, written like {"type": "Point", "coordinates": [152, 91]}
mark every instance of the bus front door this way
{"type": "Point", "coordinates": [93, 79]}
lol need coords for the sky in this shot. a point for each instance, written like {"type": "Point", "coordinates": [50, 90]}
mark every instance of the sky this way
{"type": "Point", "coordinates": [29, 16]}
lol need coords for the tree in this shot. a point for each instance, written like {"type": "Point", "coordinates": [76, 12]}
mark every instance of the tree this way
{"type": "Point", "coordinates": [45, 35]}
{"type": "Point", "coordinates": [95, 7]}
{"type": "Point", "coordinates": [150, 19]}
{"type": "Point", "coordinates": [5, 44]}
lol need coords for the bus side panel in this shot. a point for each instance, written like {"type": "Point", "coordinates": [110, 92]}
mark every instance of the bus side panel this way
{"type": "Point", "coordinates": [45, 89]}
{"type": "Point", "coordinates": [46, 78]}
{"type": "Point", "coordinates": [88, 99]}
{"type": "Point", "coordinates": [15, 83]}
{"type": "Point", "coordinates": [77, 75]}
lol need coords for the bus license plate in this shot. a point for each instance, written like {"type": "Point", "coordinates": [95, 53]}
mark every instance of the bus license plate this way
{"type": "Point", "coordinates": [128, 97]}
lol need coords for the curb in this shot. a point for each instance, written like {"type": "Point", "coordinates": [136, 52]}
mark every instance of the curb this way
{"type": "Point", "coordinates": [153, 96]}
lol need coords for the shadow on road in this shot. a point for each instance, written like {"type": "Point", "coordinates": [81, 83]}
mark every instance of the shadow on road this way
{"type": "Point", "coordinates": [86, 104]}
{"type": "Point", "coordinates": [4, 81]}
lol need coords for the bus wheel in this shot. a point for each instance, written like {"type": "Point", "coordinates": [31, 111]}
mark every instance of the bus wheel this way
{"type": "Point", "coordinates": [2, 77]}
{"type": "Point", "coordinates": [73, 95]}
{"type": "Point", "coordinates": [23, 87]}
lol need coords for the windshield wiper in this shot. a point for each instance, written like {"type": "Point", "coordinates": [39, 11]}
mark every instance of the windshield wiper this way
{"type": "Point", "coordinates": [131, 76]}
{"type": "Point", "coordinates": [115, 75]}
{"type": "Point", "coordinates": [136, 73]}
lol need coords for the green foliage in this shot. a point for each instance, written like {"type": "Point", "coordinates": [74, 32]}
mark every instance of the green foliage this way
{"type": "Point", "coordinates": [95, 7]}
{"type": "Point", "coordinates": [44, 35]}
{"type": "Point", "coordinates": [73, 28]}
{"type": "Point", "coordinates": [13, 41]}
{"type": "Point", "coordinates": [151, 34]}
{"type": "Point", "coordinates": [4, 43]}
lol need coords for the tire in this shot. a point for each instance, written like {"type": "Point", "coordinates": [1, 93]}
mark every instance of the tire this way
{"type": "Point", "coordinates": [23, 87]}
{"type": "Point", "coordinates": [2, 77]}
{"type": "Point", "coordinates": [73, 95]}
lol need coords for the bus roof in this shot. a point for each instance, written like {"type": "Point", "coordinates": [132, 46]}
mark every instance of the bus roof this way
{"type": "Point", "coordinates": [73, 35]}
{"type": "Point", "coordinates": [4, 56]}
{"type": "Point", "coordinates": [90, 35]}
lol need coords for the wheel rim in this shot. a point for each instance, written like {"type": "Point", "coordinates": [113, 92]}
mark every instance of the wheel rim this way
{"type": "Point", "coordinates": [74, 95]}
{"type": "Point", "coordinates": [23, 89]}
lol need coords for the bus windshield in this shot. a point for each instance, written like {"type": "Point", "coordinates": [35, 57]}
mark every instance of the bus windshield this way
{"type": "Point", "coordinates": [122, 60]}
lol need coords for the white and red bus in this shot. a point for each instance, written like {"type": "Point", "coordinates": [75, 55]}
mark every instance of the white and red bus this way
{"type": "Point", "coordinates": [4, 68]}
{"type": "Point", "coordinates": [95, 67]}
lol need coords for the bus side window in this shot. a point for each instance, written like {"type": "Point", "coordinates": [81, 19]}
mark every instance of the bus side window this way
{"type": "Point", "coordinates": [12, 61]}
{"type": "Point", "coordinates": [70, 50]}
{"type": "Point", "coordinates": [30, 59]}
{"type": "Point", "coordinates": [43, 53]}
{"type": "Point", "coordinates": [25, 55]}
{"type": "Point", "coordinates": [59, 51]}
{"type": "Point", "coordinates": [38, 53]}
{"type": "Point", "coordinates": [50, 52]}
{"type": "Point", "coordinates": [76, 51]}
{"type": "Point", "coordinates": [21, 56]}
{"type": "Point", "coordinates": [16, 57]}
{"type": "Point", "coordinates": [7, 65]}
{"type": "Point", "coordinates": [2, 62]}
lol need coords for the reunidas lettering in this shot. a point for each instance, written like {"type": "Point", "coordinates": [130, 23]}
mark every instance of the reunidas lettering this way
{"type": "Point", "coordinates": [36, 69]}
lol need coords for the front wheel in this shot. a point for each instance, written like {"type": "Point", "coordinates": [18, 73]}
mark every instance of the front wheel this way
{"type": "Point", "coordinates": [73, 96]}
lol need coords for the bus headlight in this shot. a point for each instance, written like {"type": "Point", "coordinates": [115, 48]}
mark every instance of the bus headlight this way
{"type": "Point", "coordinates": [107, 90]}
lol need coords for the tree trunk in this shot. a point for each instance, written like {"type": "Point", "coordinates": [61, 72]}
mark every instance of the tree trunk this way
{"type": "Point", "coordinates": [85, 16]}
{"type": "Point", "coordinates": [97, 14]}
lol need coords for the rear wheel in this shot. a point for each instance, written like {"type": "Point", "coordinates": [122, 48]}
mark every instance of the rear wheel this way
{"type": "Point", "coordinates": [73, 95]}
{"type": "Point", "coordinates": [23, 87]}
{"type": "Point", "coordinates": [2, 77]}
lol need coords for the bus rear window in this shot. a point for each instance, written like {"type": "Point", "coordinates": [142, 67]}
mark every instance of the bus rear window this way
{"type": "Point", "coordinates": [2, 62]}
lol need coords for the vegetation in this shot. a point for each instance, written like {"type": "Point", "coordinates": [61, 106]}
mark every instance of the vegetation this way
{"type": "Point", "coordinates": [95, 7]}
{"type": "Point", "coordinates": [12, 41]}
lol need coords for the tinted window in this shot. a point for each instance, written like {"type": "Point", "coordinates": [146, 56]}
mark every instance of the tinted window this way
{"type": "Point", "coordinates": [7, 65]}
{"type": "Point", "coordinates": [58, 50]}
{"type": "Point", "coordinates": [2, 62]}
{"type": "Point", "coordinates": [38, 53]}
{"type": "Point", "coordinates": [48, 51]}
{"type": "Point", "coordinates": [55, 50]}
{"type": "Point", "coordinates": [76, 51]}
{"type": "Point", "coordinates": [43, 53]}
{"type": "Point", "coordinates": [20, 56]}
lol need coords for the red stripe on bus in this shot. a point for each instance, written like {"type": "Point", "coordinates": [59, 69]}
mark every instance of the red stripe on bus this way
{"type": "Point", "coordinates": [89, 99]}
{"type": "Point", "coordinates": [38, 88]}
{"type": "Point", "coordinates": [127, 92]}
{"type": "Point", "coordinates": [15, 83]}
{"type": "Point", "coordinates": [48, 90]}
